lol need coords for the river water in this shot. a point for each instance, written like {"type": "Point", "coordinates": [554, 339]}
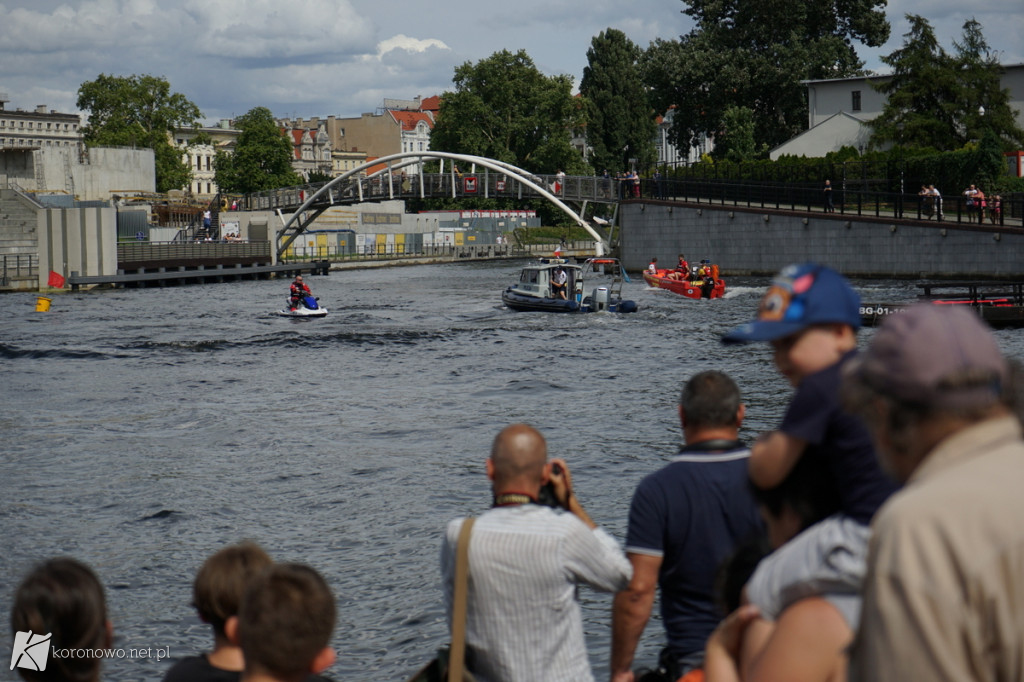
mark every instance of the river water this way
{"type": "Point", "coordinates": [144, 429]}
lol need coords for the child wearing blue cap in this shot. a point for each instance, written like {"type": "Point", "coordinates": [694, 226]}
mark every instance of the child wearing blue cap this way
{"type": "Point", "coordinates": [811, 315]}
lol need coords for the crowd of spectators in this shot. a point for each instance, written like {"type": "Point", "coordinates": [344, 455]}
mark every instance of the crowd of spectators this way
{"type": "Point", "coordinates": [873, 535]}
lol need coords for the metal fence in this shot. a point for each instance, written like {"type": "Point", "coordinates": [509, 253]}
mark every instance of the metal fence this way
{"type": "Point", "coordinates": [134, 252]}
{"type": "Point", "coordinates": [409, 250]}
{"type": "Point", "coordinates": [18, 266]}
{"type": "Point", "coordinates": [846, 199]}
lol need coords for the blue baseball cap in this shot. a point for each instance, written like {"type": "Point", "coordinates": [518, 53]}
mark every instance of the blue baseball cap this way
{"type": "Point", "coordinates": [800, 296]}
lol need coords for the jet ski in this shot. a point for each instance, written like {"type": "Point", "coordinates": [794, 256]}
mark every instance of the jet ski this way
{"type": "Point", "coordinates": [308, 307]}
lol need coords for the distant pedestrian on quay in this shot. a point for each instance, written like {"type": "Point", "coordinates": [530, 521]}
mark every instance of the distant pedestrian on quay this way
{"type": "Point", "coordinates": [829, 206]}
{"type": "Point", "coordinates": [995, 208]}
{"type": "Point", "coordinates": [937, 199]}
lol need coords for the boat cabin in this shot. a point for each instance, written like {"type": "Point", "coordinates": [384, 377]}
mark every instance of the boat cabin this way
{"type": "Point", "coordinates": [535, 280]}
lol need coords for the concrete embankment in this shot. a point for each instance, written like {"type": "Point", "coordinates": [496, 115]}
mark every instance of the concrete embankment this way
{"type": "Point", "coordinates": [760, 241]}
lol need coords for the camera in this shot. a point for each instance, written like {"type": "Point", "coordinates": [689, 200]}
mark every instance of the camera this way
{"type": "Point", "coordinates": [547, 491]}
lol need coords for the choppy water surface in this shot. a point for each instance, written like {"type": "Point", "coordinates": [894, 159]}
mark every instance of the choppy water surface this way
{"type": "Point", "coordinates": [143, 429]}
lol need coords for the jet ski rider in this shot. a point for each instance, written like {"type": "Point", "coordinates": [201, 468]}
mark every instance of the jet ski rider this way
{"type": "Point", "coordinates": [298, 291]}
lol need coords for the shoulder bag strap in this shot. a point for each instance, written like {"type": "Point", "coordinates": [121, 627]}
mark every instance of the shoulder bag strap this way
{"type": "Point", "coordinates": [457, 655]}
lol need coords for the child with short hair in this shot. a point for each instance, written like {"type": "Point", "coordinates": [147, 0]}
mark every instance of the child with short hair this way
{"type": "Point", "coordinates": [284, 625]}
{"type": "Point", "coordinates": [63, 599]}
{"type": "Point", "coordinates": [216, 595]}
{"type": "Point", "coordinates": [811, 315]}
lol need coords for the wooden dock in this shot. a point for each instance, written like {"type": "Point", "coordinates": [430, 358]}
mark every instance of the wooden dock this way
{"type": "Point", "coordinates": [999, 303]}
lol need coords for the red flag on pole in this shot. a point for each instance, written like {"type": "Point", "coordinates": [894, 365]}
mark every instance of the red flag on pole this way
{"type": "Point", "coordinates": [56, 280]}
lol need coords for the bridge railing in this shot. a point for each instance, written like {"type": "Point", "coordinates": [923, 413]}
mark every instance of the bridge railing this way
{"type": "Point", "coordinates": [399, 185]}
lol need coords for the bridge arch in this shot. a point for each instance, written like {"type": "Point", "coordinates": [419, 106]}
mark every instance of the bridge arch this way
{"type": "Point", "coordinates": [313, 205]}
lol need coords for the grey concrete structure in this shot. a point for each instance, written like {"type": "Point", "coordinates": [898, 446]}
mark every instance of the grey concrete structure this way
{"type": "Point", "coordinates": [93, 174]}
{"type": "Point", "coordinates": [762, 242]}
{"type": "Point", "coordinates": [64, 240]}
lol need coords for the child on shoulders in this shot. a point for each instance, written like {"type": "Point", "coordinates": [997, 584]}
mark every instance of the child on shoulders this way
{"type": "Point", "coordinates": [811, 315]}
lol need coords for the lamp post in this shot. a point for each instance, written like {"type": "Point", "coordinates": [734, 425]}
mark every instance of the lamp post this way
{"type": "Point", "coordinates": [899, 203]}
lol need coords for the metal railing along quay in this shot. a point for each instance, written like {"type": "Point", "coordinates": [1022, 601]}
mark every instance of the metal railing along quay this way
{"type": "Point", "coordinates": [18, 266]}
{"type": "Point", "coordinates": [846, 201]}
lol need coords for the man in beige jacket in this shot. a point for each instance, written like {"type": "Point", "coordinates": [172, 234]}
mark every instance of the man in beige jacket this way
{"type": "Point", "coordinates": [944, 592]}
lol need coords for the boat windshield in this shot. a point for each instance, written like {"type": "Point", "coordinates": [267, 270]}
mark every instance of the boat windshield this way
{"type": "Point", "coordinates": [529, 276]}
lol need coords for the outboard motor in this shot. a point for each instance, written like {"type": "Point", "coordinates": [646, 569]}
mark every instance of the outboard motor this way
{"type": "Point", "coordinates": [599, 301]}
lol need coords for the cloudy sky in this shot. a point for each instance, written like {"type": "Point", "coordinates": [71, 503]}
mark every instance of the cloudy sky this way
{"type": "Point", "coordinates": [305, 58]}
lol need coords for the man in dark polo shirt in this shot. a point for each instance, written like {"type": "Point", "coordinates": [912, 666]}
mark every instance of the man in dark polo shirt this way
{"type": "Point", "coordinates": [684, 521]}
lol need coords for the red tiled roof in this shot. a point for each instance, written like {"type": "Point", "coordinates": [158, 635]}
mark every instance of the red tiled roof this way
{"type": "Point", "coordinates": [376, 167]}
{"type": "Point", "coordinates": [409, 119]}
{"type": "Point", "coordinates": [431, 103]}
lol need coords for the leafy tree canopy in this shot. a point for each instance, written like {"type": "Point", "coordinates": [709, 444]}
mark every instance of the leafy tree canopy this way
{"type": "Point", "coordinates": [262, 158]}
{"type": "Point", "coordinates": [620, 123]}
{"type": "Point", "coordinates": [754, 55]}
{"type": "Point", "coordinates": [935, 99]}
{"type": "Point", "coordinates": [505, 109]}
{"type": "Point", "coordinates": [736, 141]}
{"type": "Point", "coordinates": [140, 111]}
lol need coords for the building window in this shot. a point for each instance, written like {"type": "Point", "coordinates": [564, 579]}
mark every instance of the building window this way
{"type": "Point", "coordinates": [856, 100]}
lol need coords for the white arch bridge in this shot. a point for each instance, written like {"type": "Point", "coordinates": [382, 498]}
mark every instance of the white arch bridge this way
{"type": "Point", "coordinates": [300, 206]}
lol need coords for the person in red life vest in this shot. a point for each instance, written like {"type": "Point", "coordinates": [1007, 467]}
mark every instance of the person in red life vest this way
{"type": "Point", "coordinates": [298, 291]}
{"type": "Point", "coordinates": [682, 270]}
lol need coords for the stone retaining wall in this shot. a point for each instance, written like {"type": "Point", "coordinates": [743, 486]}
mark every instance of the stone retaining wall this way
{"type": "Point", "coordinates": [763, 241]}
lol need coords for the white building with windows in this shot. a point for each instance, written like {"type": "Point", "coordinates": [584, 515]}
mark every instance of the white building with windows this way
{"type": "Point", "coordinates": [311, 146]}
{"type": "Point", "coordinates": [38, 129]}
{"type": "Point", "coordinates": [838, 111]}
{"type": "Point", "coordinates": [668, 153]}
{"type": "Point", "coordinates": [200, 158]}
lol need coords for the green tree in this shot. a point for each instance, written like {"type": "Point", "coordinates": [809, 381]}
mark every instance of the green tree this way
{"type": "Point", "coordinates": [140, 111]}
{"type": "Point", "coordinates": [262, 158]}
{"type": "Point", "coordinates": [315, 176]}
{"type": "Point", "coordinates": [504, 108]}
{"type": "Point", "coordinates": [980, 76]}
{"type": "Point", "coordinates": [935, 99]}
{"type": "Point", "coordinates": [736, 141]}
{"type": "Point", "coordinates": [920, 108]}
{"type": "Point", "coordinates": [620, 124]}
{"type": "Point", "coordinates": [754, 55]}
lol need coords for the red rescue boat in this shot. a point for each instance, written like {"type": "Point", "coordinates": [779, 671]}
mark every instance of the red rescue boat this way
{"type": "Point", "coordinates": [685, 286]}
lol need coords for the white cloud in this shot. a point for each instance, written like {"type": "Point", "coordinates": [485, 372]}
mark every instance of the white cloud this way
{"type": "Point", "coordinates": [404, 42]}
{"type": "Point", "coordinates": [309, 31]}
{"type": "Point", "coordinates": [321, 57]}
{"type": "Point", "coordinates": [1002, 24]}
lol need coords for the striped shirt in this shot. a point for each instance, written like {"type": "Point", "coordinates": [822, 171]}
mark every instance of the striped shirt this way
{"type": "Point", "coordinates": [523, 622]}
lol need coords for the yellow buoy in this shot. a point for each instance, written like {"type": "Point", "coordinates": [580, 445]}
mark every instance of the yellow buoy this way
{"type": "Point", "coordinates": [42, 304]}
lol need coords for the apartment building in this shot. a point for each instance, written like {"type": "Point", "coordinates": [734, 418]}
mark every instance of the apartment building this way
{"type": "Point", "coordinates": [37, 129]}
